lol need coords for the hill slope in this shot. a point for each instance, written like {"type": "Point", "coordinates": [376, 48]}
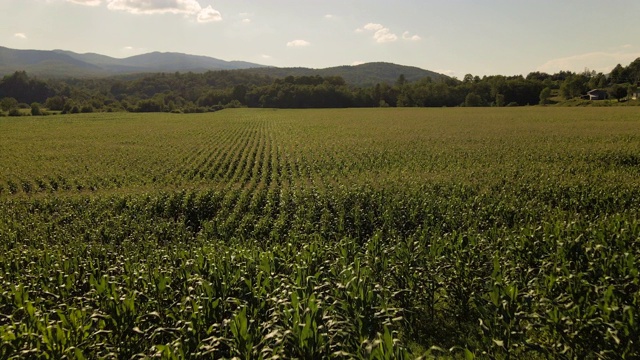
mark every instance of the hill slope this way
{"type": "Point", "coordinates": [367, 74]}
{"type": "Point", "coordinates": [39, 62]}
{"type": "Point", "coordinates": [62, 63]}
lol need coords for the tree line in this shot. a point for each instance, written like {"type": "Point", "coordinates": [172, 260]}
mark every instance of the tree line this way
{"type": "Point", "coordinates": [215, 90]}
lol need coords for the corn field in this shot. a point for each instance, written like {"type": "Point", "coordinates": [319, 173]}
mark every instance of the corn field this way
{"type": "Point", "coordinates": [352, 233]}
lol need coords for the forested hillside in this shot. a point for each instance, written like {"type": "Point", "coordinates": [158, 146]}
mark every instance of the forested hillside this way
{"type": "Point", "coordinates": [214, 90]}
{"type": "Point", "coordinates": [363, 75]}
{"type": "Point", "coordinates": [57, 64]}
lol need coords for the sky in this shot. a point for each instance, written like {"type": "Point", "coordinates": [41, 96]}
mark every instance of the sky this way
{"type": "Point", "coordinates": [453, 37]}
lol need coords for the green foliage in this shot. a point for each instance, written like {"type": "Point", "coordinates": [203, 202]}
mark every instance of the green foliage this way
{"type": "Point", "coordinates": [24, 89]}
{"type": "Point", "coordinates": [15, 112]}
{"type": "Point", "coordinates": [304, 88]}
{"type": "Point", "coordinates": [473, 100]}
{"type": "Point", "coordinates": [35, 109]}
{"type": "Point", "coordinates": [574, 86]}
{"type": "Point", "coordinates": [150, 105]}
{"type": "Point", "coordinates": [545, 94]}
{"type": "Point", "coordinates": [55, 103]}
{"type": "Point", "coordinates": [618, 91]}
{"type": "Point", "coordinates": [364, 75]}
{"type": "Point", "coordinates": [347, 233]}
{"type": "Point", "coordinates": [86, 109]}
{"type": "Point", "coordinates": [8, 103]}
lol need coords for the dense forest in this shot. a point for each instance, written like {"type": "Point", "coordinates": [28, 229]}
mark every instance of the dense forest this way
{"type": "Point", "coordinates": [215, 90]}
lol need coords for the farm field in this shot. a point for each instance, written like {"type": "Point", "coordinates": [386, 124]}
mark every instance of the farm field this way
{"type": "Point", "coordinates": [348, 233]}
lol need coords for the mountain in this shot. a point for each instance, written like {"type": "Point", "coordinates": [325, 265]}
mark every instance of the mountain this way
{"type": "Point", "coordinates": [92, 58]}
{"type": "Point", "coordinates": [367, 74]}
{"type": "Point", "coordinates": [39, 62]}
{"type": "Point", "coordinates": [180, 62]}
{"type": "Point", "coordinates": [62, 63]}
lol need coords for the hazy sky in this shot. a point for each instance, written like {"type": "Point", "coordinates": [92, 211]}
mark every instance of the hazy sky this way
{"type": "Point", "coordinates": [455, 37]}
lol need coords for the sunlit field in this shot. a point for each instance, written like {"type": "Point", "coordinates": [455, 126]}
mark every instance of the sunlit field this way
{"type": "Point", "coordinates": [351, 233]}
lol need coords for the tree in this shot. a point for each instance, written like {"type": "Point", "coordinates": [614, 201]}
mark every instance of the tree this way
{"type": "Point", "coordinates": [633, 71]}
{"type": "Point", "coordinates": [70, 108]}
{"type": "Point", "coordinates": [55, 103]}
{"type": "Point", "coordinates": [473, 100]}
{"type": "Point", "coordinates": [35, 109]}
{"type": "Point", "coordinates": [617, 75]}
{"type": "Point", "coordinates": [598, 81]}
{"type": "Point", "coordinates": [150, 105]}
{"type": "Point", "coordinates": [8, 103]}
{"type": "Point", "coordinates": [402, 81]}
{"type": "Point", "coordinates": [23, 89]}
{"type": "Point", "coordinates": [545, 94]}
{"type": "Point", "coordinates": [403, 101]}
{"type": "Point", "coordinates": [539, 76]}
{"type": "Point", "coordinates": [574, 86]}
{"type": "Point", "coordinates": [617, 91]}
{"type": "Point", "coordinates": [239, 93]}
{"type": "Point", "coordinates": [522, 92]}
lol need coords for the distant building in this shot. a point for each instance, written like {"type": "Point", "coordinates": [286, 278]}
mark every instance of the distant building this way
{"type": "Point", "coordinates": [596, 94]}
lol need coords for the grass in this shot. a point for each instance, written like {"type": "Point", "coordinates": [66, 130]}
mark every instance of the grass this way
{"type": "Point", "coordinates": [355, 233]}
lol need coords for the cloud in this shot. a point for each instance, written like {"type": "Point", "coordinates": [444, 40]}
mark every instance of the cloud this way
{"type": "Point", "coordinates": [599, 61]}
{"type": "Point", "coordinates": [407, 36]}
{"type": "Point", "coordinates": [86, 2]}
{"type": "Point", "coordinates": [385, 35]}
{"type": "Point", "coordinates": [246, 21]}
{"type": "Point", "coordinates": [355, 63]}
{"type": "Point", "coordinates": [329, 16]}
{"type": "Point", "coordinates": [381, 34]}
{"type": "Point", "coordinates": [209, 14]}
{"type": "Point", "coordinates": [189, 7]}
{"type": "Point", "coordinates": [298, 43]}
{"type": "Point", "coordinates": [20, 35]}
{"type": "Point", "coordinates": [149, 7]}
{"type": "Point", "coordinates": [265, 56]}
{"type": "Point", "coordinates": [373, 27]}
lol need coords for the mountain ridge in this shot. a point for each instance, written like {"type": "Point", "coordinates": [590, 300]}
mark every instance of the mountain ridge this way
{"type": "Point", "coordinates": [65, 64]}
{"type": "Point", "coordinates": [367, 74]}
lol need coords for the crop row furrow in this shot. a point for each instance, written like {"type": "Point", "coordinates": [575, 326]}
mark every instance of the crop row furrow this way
{"type": "Point", "coordinates": [246, 174]}
{"type": "Point", "coordinates": [215, 145]}
{"type": "Point", "coordinates": [227, 145]}
{"type": "Point", "coordinates": [236, 153]}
